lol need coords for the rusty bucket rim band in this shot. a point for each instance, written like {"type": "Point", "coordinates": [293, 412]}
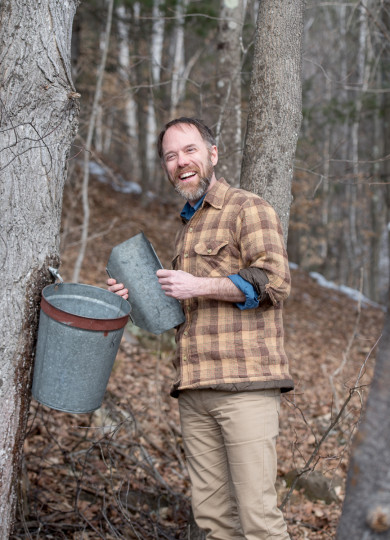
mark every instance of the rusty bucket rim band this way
{"type": "Point", "coordinates": [85, 323]}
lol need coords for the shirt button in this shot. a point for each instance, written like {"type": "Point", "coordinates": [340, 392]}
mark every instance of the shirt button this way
{"type": "Point", "coordinates": [185, 255]}
{"type": "Point", "coordinates": [186, 333]}
{"type": "Point", "coordinates": [184, 359]}
{"type": "Point", "coordinates": [209, 251]}
{"type": "Point", "coordinates": [191, 229]}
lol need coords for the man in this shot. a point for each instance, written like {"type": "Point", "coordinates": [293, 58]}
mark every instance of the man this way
{"type": "Point", "coordinates": [230, 271]}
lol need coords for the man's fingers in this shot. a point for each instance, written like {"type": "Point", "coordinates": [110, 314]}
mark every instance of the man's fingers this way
{"type": "Point", "coordinates": [117, 288]}
{"type": "Point", "coordinates": [124, 293]}
{"type": "Point", "coordinates": [162, 273]}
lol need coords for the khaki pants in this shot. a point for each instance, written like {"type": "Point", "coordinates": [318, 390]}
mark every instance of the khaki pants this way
{"type": "Point", "coordinates": [230, 445]}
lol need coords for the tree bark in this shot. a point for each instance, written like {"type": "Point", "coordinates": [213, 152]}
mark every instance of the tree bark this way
{"type": "Point", "coordinates": [126, 76]}
{"type": "Point", "coordinates": [38, 111]}
{"type": "Point", "coordinates": [354, 191]}
{"type": "Point", "coordinates": [178, 66]}
{"type": "Point", "coordinates": [228, 129]}
{"type": "Point", "coordinates": [366, 509]}
{"type": "Point", "coordinates": [275, 105]}
{"type": "Point", "coordinates": [156, 52]}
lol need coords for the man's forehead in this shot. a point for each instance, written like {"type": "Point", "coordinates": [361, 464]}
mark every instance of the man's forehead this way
{"type": "Point", "coordinates": [181, 133]}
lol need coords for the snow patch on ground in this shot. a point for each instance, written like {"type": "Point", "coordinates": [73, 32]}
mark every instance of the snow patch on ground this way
{"type": "Point", "coordinates": [122, 185]}
{"type": "Point", "coordinates": [348, 291]}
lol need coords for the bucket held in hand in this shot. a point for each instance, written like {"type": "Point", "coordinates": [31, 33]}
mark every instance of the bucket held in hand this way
{"type": "Point", "coordinates": [80, 329]}
{"type": "Point", "coordinates": [135, 263]}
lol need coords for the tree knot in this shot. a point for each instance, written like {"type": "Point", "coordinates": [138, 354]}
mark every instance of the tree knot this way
{"type": "Point", "coordinates": [378, 518]}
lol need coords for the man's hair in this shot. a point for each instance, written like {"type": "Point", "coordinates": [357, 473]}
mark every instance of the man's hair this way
{"type": "Point", "coordinates": [205, 131]}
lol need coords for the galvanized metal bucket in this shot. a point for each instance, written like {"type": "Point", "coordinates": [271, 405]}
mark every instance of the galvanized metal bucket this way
{"type": "Point", "coordinates": [80, 329]}
{"type": "Point", "coordinates": [134, 263]}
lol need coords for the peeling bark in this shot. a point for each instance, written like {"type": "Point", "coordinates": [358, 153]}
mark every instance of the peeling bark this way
{"type": "Point", "coordinates": [38, 111]}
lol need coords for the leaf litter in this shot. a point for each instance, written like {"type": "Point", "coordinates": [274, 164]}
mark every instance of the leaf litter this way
{"type": "Point", "coordinates": [120, 471]}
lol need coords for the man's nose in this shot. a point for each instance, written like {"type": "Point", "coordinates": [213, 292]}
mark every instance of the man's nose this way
{"type": "Point", "coordinates": [182, 160]}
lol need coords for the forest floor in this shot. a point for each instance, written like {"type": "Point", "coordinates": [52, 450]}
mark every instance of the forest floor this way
{"type": "Point", "coordinates": [120, 472]}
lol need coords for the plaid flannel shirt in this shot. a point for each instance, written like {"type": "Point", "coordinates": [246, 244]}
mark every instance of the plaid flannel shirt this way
{"type": "Point", "coordinates": [220, 346]}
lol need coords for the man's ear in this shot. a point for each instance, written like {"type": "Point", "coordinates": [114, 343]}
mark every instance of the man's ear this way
{"type": "Point", "coordinates": [214, 155]}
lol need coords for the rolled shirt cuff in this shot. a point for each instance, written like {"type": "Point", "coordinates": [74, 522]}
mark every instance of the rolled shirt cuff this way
{"type": "Point", "coordinates": [251, 299]}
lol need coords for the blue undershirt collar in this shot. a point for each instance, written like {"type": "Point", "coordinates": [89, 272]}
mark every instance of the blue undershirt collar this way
{"type": "Point", "coordinates": [188, 210]}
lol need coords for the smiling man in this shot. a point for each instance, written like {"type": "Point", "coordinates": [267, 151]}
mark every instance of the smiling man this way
{"type": "Point", "coordinates": [188, 161]}
{"type": "Point", "coordinates": [230, 271]}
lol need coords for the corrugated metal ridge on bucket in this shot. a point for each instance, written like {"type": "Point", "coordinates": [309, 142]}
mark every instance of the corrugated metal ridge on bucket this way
{"type": "Point", "coordinates": [98, 325]}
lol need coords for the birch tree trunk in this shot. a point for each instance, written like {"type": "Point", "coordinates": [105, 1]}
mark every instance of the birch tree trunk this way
{"type": "Point", "coordinates": [353, 191]}
{"type": "Point", "coordinates": [343, 245]}
{"type": "Point", "coordinates": [178, 68]}
{"type": "Point", "coordinates": [39, 112]}
{"type": "Point", "coordinates": [156, 50]}
{"type": "Point", "coordinates": [130, 105]}
{"type": "Point", "coordinates": [275, 105]}
{"type": "Point", "coordinates": [228, 129]}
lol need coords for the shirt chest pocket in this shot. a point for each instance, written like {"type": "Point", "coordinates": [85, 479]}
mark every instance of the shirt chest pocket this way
{"type": "Point", "coordinates": [213, 258]}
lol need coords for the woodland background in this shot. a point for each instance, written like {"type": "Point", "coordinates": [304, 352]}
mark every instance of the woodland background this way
{"type": "Point", "coordinates": [120, 472]}
{"type": "Point", "coordinates": [172, 58]}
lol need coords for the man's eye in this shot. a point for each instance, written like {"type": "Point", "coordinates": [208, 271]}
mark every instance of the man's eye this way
{"type": "Point", "coordinates": [169, 157]}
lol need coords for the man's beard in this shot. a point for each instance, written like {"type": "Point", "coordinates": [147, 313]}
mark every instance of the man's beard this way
{"type": "Point", "coordinates": [195, 193]}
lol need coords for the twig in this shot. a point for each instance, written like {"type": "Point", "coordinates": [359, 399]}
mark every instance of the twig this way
{"type": "Point", "coordinates": [308, 464]}
{"type": "Point", "coordinates": [307, 467]}
{"type": "Point", "coordinates": [96, 235]}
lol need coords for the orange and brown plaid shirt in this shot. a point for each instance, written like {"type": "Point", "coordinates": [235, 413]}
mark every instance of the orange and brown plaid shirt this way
{"type": "Point", "coordinates": [220, 346]}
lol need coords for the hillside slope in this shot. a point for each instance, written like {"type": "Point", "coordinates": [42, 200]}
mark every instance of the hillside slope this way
{"type": "Point", "coordinates": [120, 472]}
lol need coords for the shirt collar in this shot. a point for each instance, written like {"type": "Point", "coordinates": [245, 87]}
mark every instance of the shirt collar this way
{"type": "Point", "coordinates": [189, 210]}
{"type": "Point", "coordinates": [216, 196]}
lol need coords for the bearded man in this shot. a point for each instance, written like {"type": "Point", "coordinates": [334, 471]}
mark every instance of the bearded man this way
{"type": "Point", "coordinates": [231, 274]}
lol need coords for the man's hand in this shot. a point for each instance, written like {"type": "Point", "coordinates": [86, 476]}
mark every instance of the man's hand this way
{"type": "Point", "coordinates": [178, 284]}
{"type": "Point", "coordinates": [117, 288]}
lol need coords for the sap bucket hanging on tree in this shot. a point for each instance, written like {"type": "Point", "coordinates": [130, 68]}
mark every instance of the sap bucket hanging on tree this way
{"type": "Point", "coordinates": [134, 263]}
{"type": "Point", "coordinates": [80, 329]}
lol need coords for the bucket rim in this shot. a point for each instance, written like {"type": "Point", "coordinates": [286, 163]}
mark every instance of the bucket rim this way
{"type": "Point", "coordinates": [79, 321]}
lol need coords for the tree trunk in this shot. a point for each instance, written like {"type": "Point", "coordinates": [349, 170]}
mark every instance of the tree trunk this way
{"type": "Point", "coordinates": [156, 51]}
{"type": "Point", "coordinates": [228, 95]}
{"type": "Point", "coordinates": [38, 123]}
{"type": "Point", "coordinates": [366, 510]}
{"type": "Point", "coordinates": [275, 105]}
{"type": "Point", "coordinates": [354, 191]}
{"type": "Point", "coordinates": [324, 243]}
{"type": "Point", "coordinates": [130, 105]}
{"type": "Point", "coordinates": [178, 67]}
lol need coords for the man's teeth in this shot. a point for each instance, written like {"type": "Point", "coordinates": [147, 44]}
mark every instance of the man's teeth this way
{"type": "Point", "coordinates": [186, 175]}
